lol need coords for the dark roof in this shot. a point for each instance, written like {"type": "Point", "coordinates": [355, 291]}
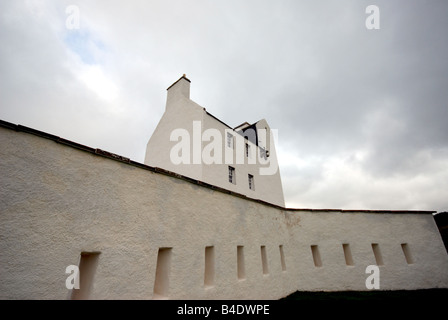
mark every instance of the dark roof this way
{"type": "Point", "coordinates": [112, 156]}
{"type": "Point", "coordinates": [245, 123]}
{"type": "Point", "coordinates": [250, 133]}
{"type": "Point", "coordinates": [441, 219]}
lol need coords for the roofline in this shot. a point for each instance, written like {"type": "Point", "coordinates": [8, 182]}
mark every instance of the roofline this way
{"type": "Point", "coordinates": [363, 210]}
{"type": "Point", "coordinates": [115, 157]}
{"type": "Point", "coordinates": [208, 113]}
{"type": "Point", "coordinates": [244, 123]}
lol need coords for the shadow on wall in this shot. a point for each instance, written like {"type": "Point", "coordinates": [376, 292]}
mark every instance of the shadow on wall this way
{"type": "Point", "coordinates": [441, 219]}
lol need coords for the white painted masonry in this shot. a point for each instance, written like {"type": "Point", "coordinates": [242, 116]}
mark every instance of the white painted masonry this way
{"type": "Point", "coordinates": [162, 230]}
{"type": "Point", "coordinates": [183, 113]}
{"type": "Point", "coordinates": [59, 199]}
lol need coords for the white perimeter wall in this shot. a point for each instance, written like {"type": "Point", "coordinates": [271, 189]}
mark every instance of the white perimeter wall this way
{"type": "Point", "coordinates": [57, 201]}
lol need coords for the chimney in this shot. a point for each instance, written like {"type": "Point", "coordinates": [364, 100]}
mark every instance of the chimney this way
{"type": "Point", "coordinates": [180, 88]}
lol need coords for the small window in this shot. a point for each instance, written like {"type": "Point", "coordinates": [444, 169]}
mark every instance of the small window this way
{"type": "Point", "coordinates": [232, 175]}
{"type": "Point", "coordinates": [209, 270]}
{"type": "Point", "coordinates": [241, 272]}
{"type": "Point", "coordinates": [316, 256]}
{"type": "Point", "coordinates": [282, 257]}
{"type": "Point", "coordinates": [407, 253]}
{"type": "Point", "coordinates": [264, 260]}
{"type": "Point", "coordinates": [264, 153]}
{"type": "Point", "coordinates": [377, 254]}
{"type": "Point", "coordinates": [229, 140]}
{"type": "Point", "coordinates": [251, 182]}
{"type": "Point", "coordinates": [87, 268]}
{"type": "Point", "coordinates": [161, 281]}
{"type": "Point", "coordinates": [247, 150]}
{"type": "Point", "coordinates": [347, 254]}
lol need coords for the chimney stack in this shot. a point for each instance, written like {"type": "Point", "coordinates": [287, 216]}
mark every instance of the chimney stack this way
{"type": "Point", "coordinates": [180, 88]}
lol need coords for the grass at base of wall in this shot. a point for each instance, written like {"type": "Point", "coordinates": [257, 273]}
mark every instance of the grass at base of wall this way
{"type": "Point", "coordinates": [432, 295]}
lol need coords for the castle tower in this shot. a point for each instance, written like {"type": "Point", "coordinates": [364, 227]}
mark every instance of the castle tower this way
{"type": "Point", "coordinates": [192, 142]}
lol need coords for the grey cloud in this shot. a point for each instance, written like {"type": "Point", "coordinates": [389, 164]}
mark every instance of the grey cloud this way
{"type": "Point", "coordinates": [332, 88]}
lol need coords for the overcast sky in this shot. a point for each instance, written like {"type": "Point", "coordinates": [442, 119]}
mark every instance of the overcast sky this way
{"type": "Point", "coordinates": [362, 115]}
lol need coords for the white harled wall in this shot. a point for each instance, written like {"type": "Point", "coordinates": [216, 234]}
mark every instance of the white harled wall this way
{"type": "Point", "coordinates": [181, 113]}
{"type": "Point", "coordinates": [57, 202]}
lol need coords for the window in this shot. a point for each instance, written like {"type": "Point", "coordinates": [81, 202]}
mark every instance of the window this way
{"type": "Point", "coordinates": [347, 254]}
{"type": "Point", "coordinates": [377, 254]}
{"type": "Point", "coordinates": [161, 282]}
{"type": "Point", "coordinates": [264, 260]}
{"type": "Point", "coordinates": [282, 257]}
{"type": "Point", "coordinates": [407, 253]}
{"type": "Point", "coordinates": [316, 256]}
{"type": "Point", "coordinates": [241, 272]}
{"type": "Point", "coordinates": [229, 140]}
{"type": "Point", "coordinates": [209, 270]}
{"type": "Point", "coordinates": [251, 182]}
{"type": "Point", "coordinates": [232, 175]}
{"type": "Point", "coordinates": [87, 268]}
{"type": "Point", "coordinates": [247, 150]}
{"type": "Point", "coordinates": [264, 153]}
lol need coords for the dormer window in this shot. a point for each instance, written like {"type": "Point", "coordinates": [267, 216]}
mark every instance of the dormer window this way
{"type": "Point", "coordinates": [229, 140]}
{"type": "Point", "coordinates": [264, 153]}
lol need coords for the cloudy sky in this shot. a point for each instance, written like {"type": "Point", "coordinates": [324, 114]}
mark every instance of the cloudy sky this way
{"type": "Point", "coordinates": [362, 114]}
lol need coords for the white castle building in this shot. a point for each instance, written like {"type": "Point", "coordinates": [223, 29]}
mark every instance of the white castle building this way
{"type": "Point", "coordinates": [202, 218]}
{"type": "Point", "coordinates": [241, 159]}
